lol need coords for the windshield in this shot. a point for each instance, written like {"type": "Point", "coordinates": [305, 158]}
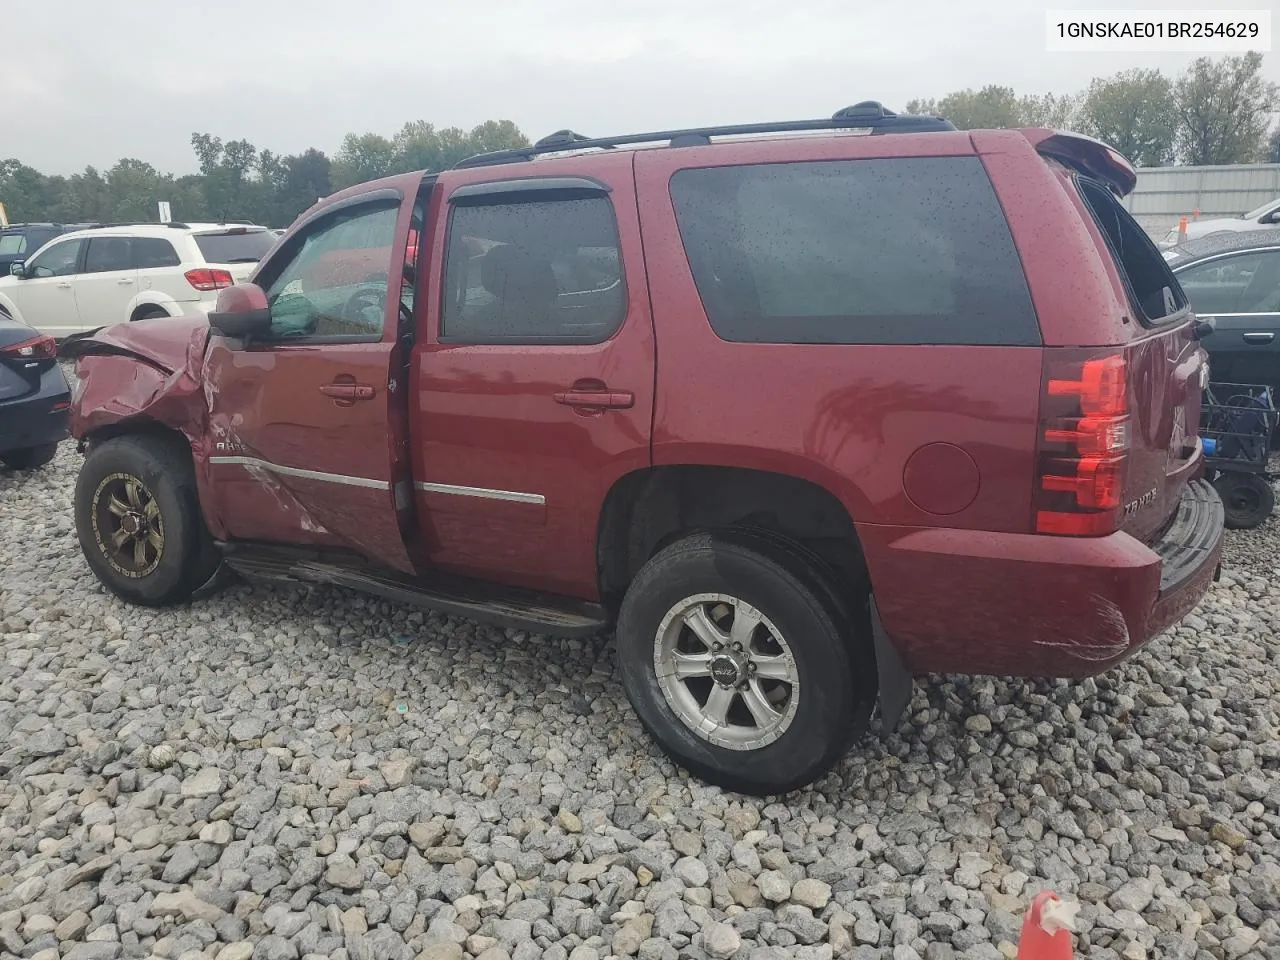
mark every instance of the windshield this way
{"type": "Point", "coordinates": [1265, 208]}
{"type": "Point", "coordinates": [235, 247]}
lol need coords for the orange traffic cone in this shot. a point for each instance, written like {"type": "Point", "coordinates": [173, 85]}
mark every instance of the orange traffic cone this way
{"type": "Point", "coordinates": [1046, 932]}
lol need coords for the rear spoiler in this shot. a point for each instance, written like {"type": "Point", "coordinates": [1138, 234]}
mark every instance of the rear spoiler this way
{"type": "Point", "coordinates": [1087, 155]}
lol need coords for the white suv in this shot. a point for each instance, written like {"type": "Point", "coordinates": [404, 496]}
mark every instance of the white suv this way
{"type": "Point", "coordinates": [93, 278]}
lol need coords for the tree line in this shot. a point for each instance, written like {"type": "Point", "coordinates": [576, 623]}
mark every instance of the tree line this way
{"type": "Point", "coordinates": [1215, 112]}
{"type": "Point", "coordinates": [237, 181]}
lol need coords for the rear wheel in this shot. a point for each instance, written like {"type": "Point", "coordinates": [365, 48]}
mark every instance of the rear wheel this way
{"type": "Point", "coordinates": [139, 523]}
{"type": "Point", "coordinates": [1247, 498]}
{"type": "Point", "coordinates": [29, 458]}
{"type": "Point", "coordinates": [739, 664]}
{"type": "Point", "coordinates": [151, 313]}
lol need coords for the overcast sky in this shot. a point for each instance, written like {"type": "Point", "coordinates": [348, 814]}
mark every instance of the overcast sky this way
{"type": "Point", "coordinates": [86, 82]}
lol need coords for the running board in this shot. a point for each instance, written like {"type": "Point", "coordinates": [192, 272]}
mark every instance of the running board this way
{"type": "Point", "coordinates": [500, 606]}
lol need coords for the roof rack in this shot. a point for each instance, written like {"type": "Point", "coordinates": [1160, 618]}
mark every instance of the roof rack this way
{"type": "Point", "coordinates": [865, 115]}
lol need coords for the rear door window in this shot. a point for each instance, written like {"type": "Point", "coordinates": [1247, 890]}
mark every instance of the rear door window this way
{"type": "Point", "coordinates": [109, 254]}
{"type": "Point", "coordinates": [151, 252]}
{"type": "Point", "coordinates": [909, 250]}
{"type": "Point", "coordinates": [12, 244]}
{"type": "Point", "coordinates": [1244, 283]}
{"type": "Point", "coordinates": [235, 247]}
{"type": "Point", "coordinates": [1154, 294]}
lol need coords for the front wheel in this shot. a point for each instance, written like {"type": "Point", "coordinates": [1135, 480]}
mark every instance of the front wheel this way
{"type": "Point", "coordinates": [740, 664]}
{"type": "Point", "coordinates": [1247, 498]}
{"type": "Point", "coordinates": [29, 458]}
{"type": "Point", "coordinates": [138, 520]}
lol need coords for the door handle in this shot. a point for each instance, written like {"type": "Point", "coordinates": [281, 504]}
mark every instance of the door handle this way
{"type": "Point", "coordinates": [64, 286]}
{"type": "Point", "coordinates": [1266, 337]}
{"type": "Point", "coordinates": [597, 399]}
{"type": "Point", "coordinates": [348, 391]}
{"type": "Point", "coordinates": [124, 280]}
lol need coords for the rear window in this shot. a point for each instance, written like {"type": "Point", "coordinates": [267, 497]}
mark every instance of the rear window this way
{"type": "Point", "coordinates": [909, 250]}
{"type": "Point", "coordinates": [234, 247]}
{"type": "Point", "coordinates": [1154, 294]}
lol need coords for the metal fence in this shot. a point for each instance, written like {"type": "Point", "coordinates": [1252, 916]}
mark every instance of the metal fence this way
{"type": "Point", "coordinates": [1164, 194]}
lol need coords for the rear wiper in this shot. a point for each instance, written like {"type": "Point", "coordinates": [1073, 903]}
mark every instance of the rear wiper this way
{"type": "Point", "coordinates": [242, 260]}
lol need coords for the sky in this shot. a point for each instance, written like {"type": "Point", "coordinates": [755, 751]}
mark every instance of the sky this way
{"type": "Point", "coordinates": [85, 83]}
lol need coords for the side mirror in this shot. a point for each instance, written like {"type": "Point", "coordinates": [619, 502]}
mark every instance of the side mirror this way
{"type": "Point", "coordinates": [241, 311]}
{"type": "Point", "coordinates": [18, 269]}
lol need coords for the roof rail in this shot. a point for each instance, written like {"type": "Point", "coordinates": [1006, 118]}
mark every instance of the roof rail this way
{"type": "Point", "coordinates": [865, 115]}
{"type": "Point", "coordinates": [176, 225]}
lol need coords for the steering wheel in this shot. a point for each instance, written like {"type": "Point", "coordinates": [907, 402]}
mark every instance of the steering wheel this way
{"type": "Point", "coordinates": [365, 308]}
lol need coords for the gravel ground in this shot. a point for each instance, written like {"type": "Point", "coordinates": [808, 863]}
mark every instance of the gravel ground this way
{"type": "Point", "coordinates": [281, 774]}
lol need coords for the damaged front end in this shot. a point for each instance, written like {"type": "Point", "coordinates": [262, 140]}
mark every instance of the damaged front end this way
{"type": "Point", "coordinates": [145, 372]}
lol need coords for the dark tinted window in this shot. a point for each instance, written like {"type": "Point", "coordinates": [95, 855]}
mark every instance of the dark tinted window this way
{"type": "Point", "coordinates": [107, 254]}
{"type": "Point", "coordinates": [855, 251]}
{"type": "Point", "coordinates": [151, 252]}
{"type": "Point", "coordinates": [1244, 283]}
{"type": "Point", "coordinates": [1154, 292]}
{"type": "Point", "coordinates": [531, 272]}
{"type": "Point", "coordinates": [235, 247]}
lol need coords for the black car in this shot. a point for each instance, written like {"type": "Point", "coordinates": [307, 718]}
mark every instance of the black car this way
{"type": "Point", "coordinates": [19, 240]}
{"type": "Point", "coordinates": [1233, 280]}
{"type": "Point", "coordinates": [34, 396]}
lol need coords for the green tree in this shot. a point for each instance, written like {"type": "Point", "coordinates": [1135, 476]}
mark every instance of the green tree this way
{"type": "Point", "coordinates": [1134, 111]}
{"type": "Point", "coordinates": [991, 107]}
{"type": "Point", "coordinates": [1273, 146]}
{"type": "Point", "coordinates": [1224, 109]}
{"type": "Point", "coordinates": [363, 157]}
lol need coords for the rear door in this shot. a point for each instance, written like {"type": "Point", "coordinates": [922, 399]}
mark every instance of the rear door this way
{"type": "Point", "coordinates": [109, 281]}
{"type": "Point", "coordinates": [1240, 293]}
{"type": "Point", "coordinates": [303, 421]}
{"type": "Point", "coordinates": [533, 385]}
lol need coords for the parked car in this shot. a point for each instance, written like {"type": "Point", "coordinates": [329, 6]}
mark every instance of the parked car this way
{"type": "Point", "coordinates": [96, 277]}
{"type": "Point", "coordinates": [797, 416]}
{"type": "Point", "coordinates": [34, 397]}
{"type": "Point", "coordinates": [19, 240]}
{"type": "Point", "coordinates": [1233, 281]}
{"type": "Point", "coordinates": [1264, 217]}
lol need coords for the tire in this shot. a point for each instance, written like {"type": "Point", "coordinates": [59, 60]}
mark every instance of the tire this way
{"type": "Point", "coordinates": [832, 662]}
{"type": "Point", "coordinates": [29, 458]}
{"type": "Point", "coordinates": [152, 478]}
{"type": "Point", "coordinates": [1247, 498]}
{"type": "Point", "coordinates": [153, 313]}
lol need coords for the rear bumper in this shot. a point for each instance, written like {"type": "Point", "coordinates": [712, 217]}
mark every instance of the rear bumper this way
{"type": "Point", "coordinates": [968, 601]}
{"type": "Point", "coordinates": [38, 419]}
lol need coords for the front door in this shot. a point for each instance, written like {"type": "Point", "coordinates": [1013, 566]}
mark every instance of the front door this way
{"type": "Point", "coordinates": [532, 379]}
{"type": "Point", "coordinates": [109, 281]}
{"type": "Point", "coordinates": [47, 297]}
{"type": "Point", "coordinates": [302, 445]}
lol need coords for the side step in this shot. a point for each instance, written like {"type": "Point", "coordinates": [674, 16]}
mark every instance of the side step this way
{"type": "Point", "coordinates": [501, 606]}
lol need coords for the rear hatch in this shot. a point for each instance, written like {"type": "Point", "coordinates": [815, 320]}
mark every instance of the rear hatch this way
{"type": "Point", "coordinates": [235, 249]}
{"type": "Point", "coordinates": [1163, 366]}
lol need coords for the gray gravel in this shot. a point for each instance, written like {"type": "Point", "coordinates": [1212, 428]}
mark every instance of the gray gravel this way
{"type": "Point", "coordinates": [289, 774]}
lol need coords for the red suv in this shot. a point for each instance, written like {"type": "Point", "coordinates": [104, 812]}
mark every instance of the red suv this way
{"type": "Point", "coordinates": [797, 415]}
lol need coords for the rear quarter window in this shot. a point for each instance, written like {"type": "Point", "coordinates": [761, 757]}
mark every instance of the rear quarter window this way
{"type": "Point", "coordinates": [234, 247]}
{"type": "Point", "coordinates": [903, 251]}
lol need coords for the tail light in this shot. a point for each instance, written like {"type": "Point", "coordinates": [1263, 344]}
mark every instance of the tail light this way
{"type": "Point", "coordinates": [206, 279]}
{"type": "Point", "coordinates": [37, 348]}
{"type": "Point", "coordinates": [1084, 444]}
